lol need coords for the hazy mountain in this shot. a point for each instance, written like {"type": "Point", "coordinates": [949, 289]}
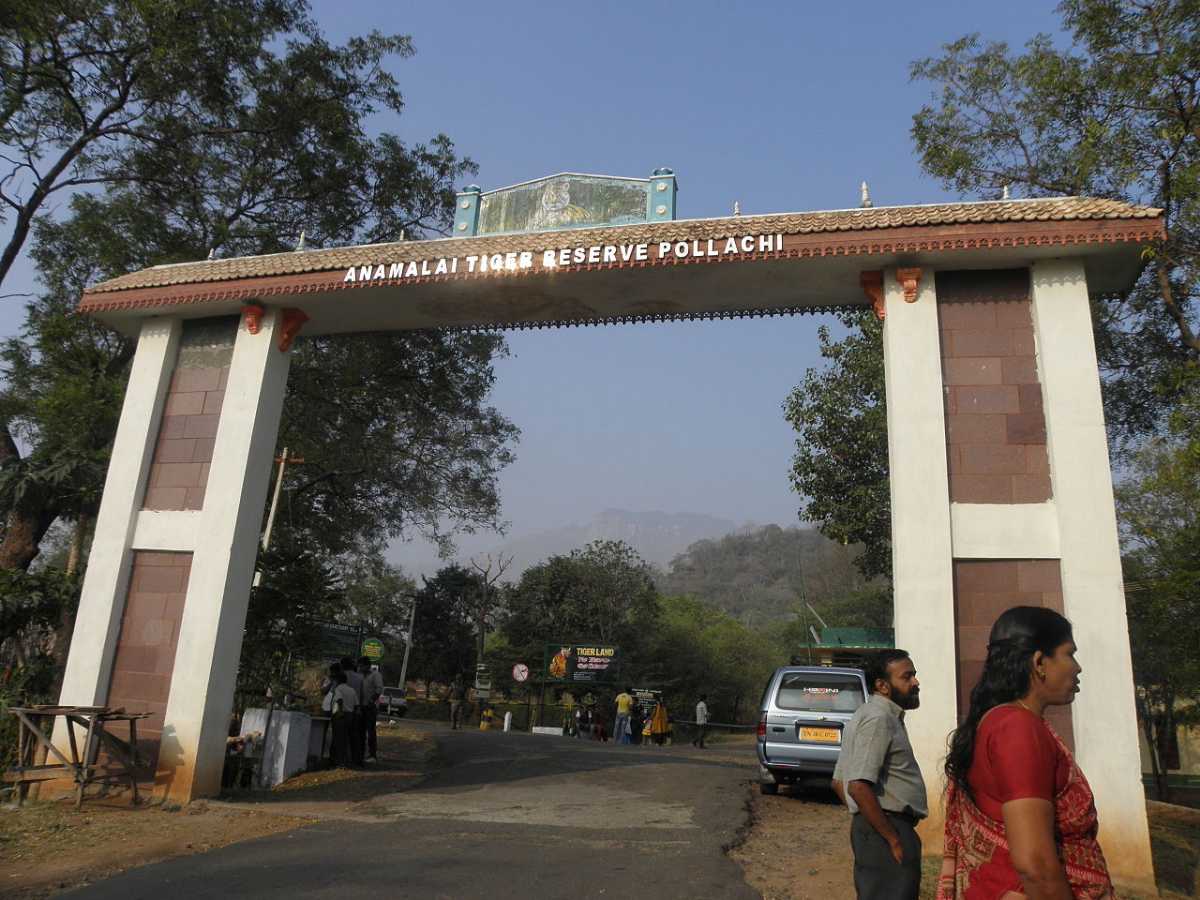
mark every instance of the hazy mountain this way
{"type": "Point", "coordinates": [765, 574]}
{"type": "Point", "coordinates": [657, 536]}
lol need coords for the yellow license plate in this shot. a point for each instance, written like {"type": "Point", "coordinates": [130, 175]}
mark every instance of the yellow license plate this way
{"type": "Point", "coordinates": [821, 735]}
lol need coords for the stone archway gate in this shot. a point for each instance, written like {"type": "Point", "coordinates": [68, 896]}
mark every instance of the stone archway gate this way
{"type": "Point", "coordinates": [1001, 488]}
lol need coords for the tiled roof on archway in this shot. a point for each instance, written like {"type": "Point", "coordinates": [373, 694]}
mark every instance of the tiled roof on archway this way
{"type": "Point", "coordinates": [879, 219]}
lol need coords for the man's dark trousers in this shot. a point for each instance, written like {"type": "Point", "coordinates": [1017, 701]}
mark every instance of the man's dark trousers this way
{"type": "Point", "coordinates": [877, 875]}
{"type": "Point", "coordinates": [370, 714]}
{"type": "Point", "coordinates": [356, 737]}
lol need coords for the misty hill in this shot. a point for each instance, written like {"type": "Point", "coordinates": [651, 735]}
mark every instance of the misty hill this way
{"type": "Point", "coordinates": [760, 575]}
{"type": "Point", "coordinates": [658, 537]}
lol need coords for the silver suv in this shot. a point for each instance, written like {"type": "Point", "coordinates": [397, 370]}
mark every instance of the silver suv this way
{"type": "Point", "coordinates": [801, 718]}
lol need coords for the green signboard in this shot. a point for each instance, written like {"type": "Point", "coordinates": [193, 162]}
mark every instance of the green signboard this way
{"type": "Point", "coordinates": [334, 641]}
{"type": "Point", "coordinates": [582, 663]}
{"type": "Point", "coordinates": [372, 649]}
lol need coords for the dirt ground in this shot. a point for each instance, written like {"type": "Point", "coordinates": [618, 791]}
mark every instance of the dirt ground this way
{"type": "Point", "coordinates": [798, 848]}
{"type": "Point", "coordinates": [47, 847]}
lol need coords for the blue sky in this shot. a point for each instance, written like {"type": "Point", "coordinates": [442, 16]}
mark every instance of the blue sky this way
{"type": "Point", "coordinates": [781, 106]}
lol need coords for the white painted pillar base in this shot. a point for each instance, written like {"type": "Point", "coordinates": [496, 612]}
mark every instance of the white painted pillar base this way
{"type": "Point", "coordinates": [922, 565]}
{"type": "Point", "coordinates": [210, 635]}
{"type": "Point", "coordinates": [106, 581]}
{"type": "Point", "coordinates": [1103, 715]}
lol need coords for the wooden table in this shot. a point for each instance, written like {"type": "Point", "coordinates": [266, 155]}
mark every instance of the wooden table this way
{"type": "Point", "coordinates": [36, 725]}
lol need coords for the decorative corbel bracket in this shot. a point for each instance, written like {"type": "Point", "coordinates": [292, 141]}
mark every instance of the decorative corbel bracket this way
{"type": "Point", "coordinates": [909, 279]}
{"type": "Point", "coordinates": [253, 314]}
{"type": "Point", "coordinates": [293, 321]}
{"type": "Point", "coordinates": [872, 285]}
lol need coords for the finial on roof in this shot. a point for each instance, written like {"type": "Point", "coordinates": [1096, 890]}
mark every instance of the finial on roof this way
{"type": "Point", "coordinates": [737, 208]}
{"type": "Point", "coordinates": [300, 243]}
{"type": "Point", "coordinates": [865, 201]}
{"type": "Point", "coordinates": [1004, 193]}
{"type": "Point", "coordinates": [212, 254]}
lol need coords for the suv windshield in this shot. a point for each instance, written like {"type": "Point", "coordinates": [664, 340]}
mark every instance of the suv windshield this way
{"type": "Point", "coordinates": [818, 692]}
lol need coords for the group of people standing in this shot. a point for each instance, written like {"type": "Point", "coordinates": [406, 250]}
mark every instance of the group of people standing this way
{"type": "Point", "coordinates": [352, 692]}
{"type": "Point", "coordinates": [1020, 816]}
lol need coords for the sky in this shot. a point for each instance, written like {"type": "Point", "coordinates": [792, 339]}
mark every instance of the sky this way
{"type": "Point", "coordinates": [781, 106]}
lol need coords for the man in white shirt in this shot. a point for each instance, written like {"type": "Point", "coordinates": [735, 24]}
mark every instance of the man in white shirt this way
{"type": "Point", "coordinates": [372, 688]}
{"type": "Point", "coordinates": [357, 734]}
{"type": "Point", "coordinates": [701, 721]}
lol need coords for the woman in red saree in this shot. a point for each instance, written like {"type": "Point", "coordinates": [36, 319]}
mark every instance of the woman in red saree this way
{"type": "Point", "coordinates": [1020, 817]}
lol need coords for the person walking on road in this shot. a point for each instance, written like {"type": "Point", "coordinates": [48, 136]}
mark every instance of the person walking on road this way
{"type": "Point", "coordinates": [701, 721]}
{"type": "Point", "coordinates": [878, 779]}
{"type": "Point", "coordinates": [624, 709]}
{"type": "Point", "coordinates": [372, 690]}
{"type": "Point", "coordinates": [458, 698]}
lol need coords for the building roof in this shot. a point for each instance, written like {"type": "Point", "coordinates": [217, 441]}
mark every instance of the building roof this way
{"type": "Point", "coordinates": [857, 637]}
{"type": "Point", "coordinates": [877, 219]}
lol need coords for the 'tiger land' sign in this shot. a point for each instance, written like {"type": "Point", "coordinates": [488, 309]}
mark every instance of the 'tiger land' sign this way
{"type": "Point", "coordinates": [576, 663]}
{"type": "Point", "coordinates": [551, 260]}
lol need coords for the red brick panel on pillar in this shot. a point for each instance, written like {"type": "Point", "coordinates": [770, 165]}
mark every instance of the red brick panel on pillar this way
{"type": "Point", "coordinates": [982, 590]}
{"type": "Point", "coordinates": [184, 450]}
{"type": "Point", "coordinates": [996, 431]}
{"type": "Point", "coordinates": [996, 450]}
{"type": "Point", "coordinates": [145, 657]}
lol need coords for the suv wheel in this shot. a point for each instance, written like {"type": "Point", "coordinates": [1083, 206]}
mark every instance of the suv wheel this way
{"type": "Point", "coordinates": [768, 788]}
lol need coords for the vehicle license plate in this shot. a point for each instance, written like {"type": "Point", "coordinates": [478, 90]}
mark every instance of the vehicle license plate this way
{"type": "Point", "coordinates": [821, 735]}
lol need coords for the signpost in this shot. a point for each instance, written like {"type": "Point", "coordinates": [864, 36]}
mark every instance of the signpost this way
{"type": "Point", "coordinates": [372, 649]}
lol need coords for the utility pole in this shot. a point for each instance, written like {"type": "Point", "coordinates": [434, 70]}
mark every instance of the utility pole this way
{"type": "Point", "coordinates": [412, 621]}
{"type": "Point", "coordinates": [283, 460]}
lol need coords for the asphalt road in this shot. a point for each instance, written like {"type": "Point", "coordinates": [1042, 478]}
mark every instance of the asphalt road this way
{"type": "Point", "coordinates": [504, 816]}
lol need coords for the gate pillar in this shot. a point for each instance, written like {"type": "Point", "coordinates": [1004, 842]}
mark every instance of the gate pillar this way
{"type": "Point", "coordinates": [164, 599]}
{"type": "Point", "coordinates": [1001, 496]}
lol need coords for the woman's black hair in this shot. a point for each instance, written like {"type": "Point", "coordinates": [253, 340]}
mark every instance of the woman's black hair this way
{"type": "Point", "coordinates": [1018, 634]}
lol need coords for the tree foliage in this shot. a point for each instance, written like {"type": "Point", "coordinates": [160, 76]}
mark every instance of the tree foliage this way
{"type": "Point", "coordinates": [242, 126]}
{"type": "Point", "coordinates": [840, 467]}
{"type": "Point", "coordinates": [444, 643]}
{"type": "Point", "coordinates": [189, 99]}
{"type": "Point", "coordinates": [1159, 504]}
{"type": "Point", "coordinates": [604, 592]}
{"type": "Point", "coordinates": [1114, 115]}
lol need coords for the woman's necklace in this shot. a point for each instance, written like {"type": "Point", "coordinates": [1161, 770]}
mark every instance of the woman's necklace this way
{"type": "Point", "coordinates": [1024, 706]}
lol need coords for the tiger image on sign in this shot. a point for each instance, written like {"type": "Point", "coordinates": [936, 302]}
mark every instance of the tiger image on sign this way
{"type": "Point", "coordinates": [555, 208]}
{"type": "Point", "coordinates": [558, 664]}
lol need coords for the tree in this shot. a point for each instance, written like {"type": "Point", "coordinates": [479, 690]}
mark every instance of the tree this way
{"type": "Point", "coordinates": [1115, 115]}
{"type": "Point", "coordinates": [300, 589]}
{"type": "Point", "coordinates": [377, 595]}
{"type": "Point", "coordinates": [485, 601]}
{"type": "Point", "coordinates": [1160, 510]}
{"type": "Point", "coordinates": [840, 468]}
{"type": "Point", "coordinates": [214, 143]}
{"type": "Point", "coordinates": [121, 93]}
{"type": "Point", "coordinates": [696, 649]}
{"type": "Point", "coordinates": [444, 643]}
{"type": "Point", "coordinates": [397, 437]}
{"type": "Point", "coordinates": [604, 592]}
{"type": "Point", "coordinates": [396, 428]}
